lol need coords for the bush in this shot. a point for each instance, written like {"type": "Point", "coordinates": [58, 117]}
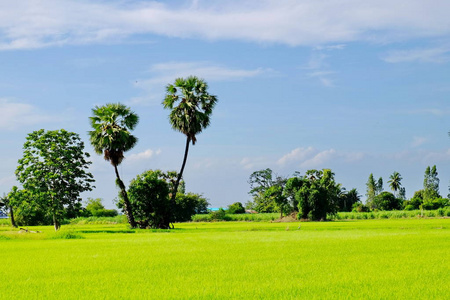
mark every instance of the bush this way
{"type": "Point", "coordinates": [219, 215]}
{"type": "Point", "coordinates": [236, 208]}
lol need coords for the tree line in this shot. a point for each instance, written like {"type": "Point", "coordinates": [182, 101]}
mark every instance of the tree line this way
{"type": "Point", "coordinates": [53, 171]}
{"type": "Point", "coordinates": [316, 194]}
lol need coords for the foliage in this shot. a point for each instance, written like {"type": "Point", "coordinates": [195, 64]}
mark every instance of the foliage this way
{"type": "Point", "coordinates": [260, 183]}
{"type": "Point", "coordinates": [218, 215]}
{"type": "Point", "coordinates": [430, 184]}
{"type": "Point", "coordinates": [191, 107]}
{"type": "Point", "coordinates": [148, 194]}
{"type": "Point", "coordinates": [387, 201]}
{"type": "Point", "coordinates": [111, 136]}
{"type": "Point", "coordinates": [395, 182]}
{"type": "Point", "coordinates": [188, 205]}
{"type": "Point", "coordinates": [149, 197]}
{"type": "Point", "coordinates": [28, 211]}
{"type": "Point", "coordinates": [347, 200]}
{"type": "Point", "coordinates": [95, 208]}
{"type": "Point", "coordinates": [372, 189]}
{"type": "Point", "coordinates": [236, 208]}
{"type": "Point", "coordinates": [318, 195]}
{"type": "Point", "coordinates": [53, 171]}
{"type": "Point", "coordinates": [275, 195]}
{"type": "Point", "coordinates": [360, 207]}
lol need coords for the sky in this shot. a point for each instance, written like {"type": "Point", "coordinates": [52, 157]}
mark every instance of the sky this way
{"type": "Point", "coordinates": [358, 87]}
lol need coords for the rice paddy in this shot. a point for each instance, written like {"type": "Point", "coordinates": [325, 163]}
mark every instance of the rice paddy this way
{"type": "Point", "coordinates": [363, 259]}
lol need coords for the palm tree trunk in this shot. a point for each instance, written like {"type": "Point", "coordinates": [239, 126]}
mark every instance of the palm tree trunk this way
{"type": "Point", "coordinates": [180, 175]}
{"type": "Point", "coordinates": [126, 202]}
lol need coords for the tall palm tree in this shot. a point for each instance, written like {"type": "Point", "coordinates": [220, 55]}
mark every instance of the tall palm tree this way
{"type": "Point", "coordinates": [395, 181]}
{"type": "Point", "coordinates": [111, 137]}
{"type": "Point", "coordinates": [191, 107]}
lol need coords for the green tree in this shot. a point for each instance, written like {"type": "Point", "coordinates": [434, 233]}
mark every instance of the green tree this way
{"type": "Point", "coordinates": [293, 184]}
{"type": "Point", "coordinates": [395, 182]}
{"type": "Point", "coordinates": [28, 210]}
{"type": "Point", "coordinates": [191, 107]}
{"type": "Point", "coordinates": [371, 189]}
{"type": "Point", "coordinates": [96, 208]}
{"type": "Point", "coordinates": [431, 184]}
{"type": "Point", "coordinates": [236, 208]}
{"type": "Point", "coordinates": [188, 205]}
{"type": "Point", "coordinates": [6, 207]}
{"type": "Point", "coordinates": [149, 200]}
{"type": "Point", "coordinates": [260, 182]}
{"type": "Point", "coordinates": [275, 194]}
{"type": "Point", "coordinates": [53, 170]}
{"type": "Point", "coordinates": [319, 195]}
{"type": "Point", "coordinates": [379, 186]}
{"type": "Point", "coordinates": [387, 201]}
{"type": "Point", "coordinates": [348, 199]}
{"type": "Point", "coordinates": [111, 137]}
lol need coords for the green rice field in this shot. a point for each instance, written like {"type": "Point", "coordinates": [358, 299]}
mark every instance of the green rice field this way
{"type": "Point", "coordinates": [358, 259]}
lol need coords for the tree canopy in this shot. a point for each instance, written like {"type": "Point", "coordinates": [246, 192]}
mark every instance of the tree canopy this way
{"type": "Point", "coordinates": [53, 171]}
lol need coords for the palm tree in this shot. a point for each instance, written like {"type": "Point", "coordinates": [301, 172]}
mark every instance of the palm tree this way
{"type": "Point", "coordinates": [395, 181]}
{"type": "Point", "coordinates": [191, 106]}
{"type": "Point", "coordinates": [111, 137]}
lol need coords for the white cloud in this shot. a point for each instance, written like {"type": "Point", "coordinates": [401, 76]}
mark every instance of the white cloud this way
{"type": "Point", "coordinates": [144, 155]}
{"type": "Point", "coordinates": [319, 159]}
{"type": "Point", "coordinates": [29, 24]}
{"type": "Point", "coordinates": [298, 154]}
{"type": "Point", "coordinates": [15, 114]}
{"type": "Point", "coordinates": [418, 140]}
{"type": "Point", "coordinates": [311, 157]}
{"type": "Point", "coordinates": [164, 73]}
{"type": "Point", "coordinates": [254, 163]}
{"type": "Point", "coordinates": [434, 55]}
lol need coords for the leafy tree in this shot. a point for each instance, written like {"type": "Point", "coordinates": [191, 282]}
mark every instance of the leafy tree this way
{"type": "Point", "coordinates": [96, 208]}
{"type": "Point", "coordinates": [380, 185]}
{"type": "Point", "coordinates": [318, 195]}
{"type": "Point", "coordinates": [275, 194]}
{"type": "Point", "coordinates": [27, 209]}
{"type": "Point", "coordinates": [348, 199]}
{"type": "Point", "coordinates": [188, 205]}
{"type": "Point", "coordinates": [293, 184]}
{"type": "Point", "coordinates": [6, 207]}
{"type": "Point", "coordinates": [149, 194]}
{"type": "Point", "coordinates": [387, 201]}
{"type": "Point", "coordinates": [371, 189]}
{"type": "Point", "coordinates": [236, 208]}
{"type": "Point", "coordinates": [431, 183]}
{"type": "Point", "coordinates": [191, 107]}
{"type": "Point", "coordinates": [53, 170]}
{"type": "Point", "coordinates": [260, 182]}
{"type": "Point", "coordinates": [111, 137]}
{"type": "Point", "coordinates": [395, 182]}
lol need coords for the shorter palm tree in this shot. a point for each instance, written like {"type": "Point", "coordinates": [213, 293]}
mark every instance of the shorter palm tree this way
{"type": "Point", "coordinates": [395, 182]}
{"type": "Point", "coordinates": [111, 137]}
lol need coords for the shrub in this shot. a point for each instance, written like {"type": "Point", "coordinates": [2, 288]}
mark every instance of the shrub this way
{"type": "Point", "coordinates": [236, 208]}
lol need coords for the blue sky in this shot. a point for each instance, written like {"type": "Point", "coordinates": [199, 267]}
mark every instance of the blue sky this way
{"type": "Point", "coordinates": [356, 86]}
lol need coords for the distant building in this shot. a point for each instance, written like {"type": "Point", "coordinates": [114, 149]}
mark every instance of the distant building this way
{"type": "Point", "coordinates": [3, 215]}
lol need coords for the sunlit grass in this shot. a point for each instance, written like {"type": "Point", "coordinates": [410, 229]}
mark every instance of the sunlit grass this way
{"type": "Point", "coordinates": [368, 259]}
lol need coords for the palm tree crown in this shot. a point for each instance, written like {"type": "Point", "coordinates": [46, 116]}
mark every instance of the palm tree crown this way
{"type": "Point", "coordinates": [193, 112]}
{"type": "Point", "coordinates": [395, 181]}
{"type": "Point", "coordinates": [111, 135]}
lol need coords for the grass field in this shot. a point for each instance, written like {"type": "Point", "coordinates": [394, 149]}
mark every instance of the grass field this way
{"type": "Point", "coordinates": [364, 259]}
